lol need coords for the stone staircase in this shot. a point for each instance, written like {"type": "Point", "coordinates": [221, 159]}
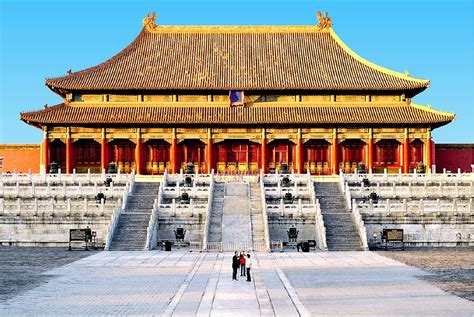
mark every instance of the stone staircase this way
{"type": "Point", "coordinates": [341, 231]}
{"type": "Point", "coordinates": [131, 230]}
{"type": "Point", "coordinates": [256, 216]}
{"type": "Point", "coordinates": [236, 233]}
{"type": "Point", "coordinates": [215, 222]}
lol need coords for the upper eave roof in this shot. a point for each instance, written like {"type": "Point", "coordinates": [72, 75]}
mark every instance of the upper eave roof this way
{"type": "Point", "coordinates": [311, 114]}
{"type": "Point", "coordinates": [236, 57]}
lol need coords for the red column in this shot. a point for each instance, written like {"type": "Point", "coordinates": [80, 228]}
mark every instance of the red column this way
{"type": "Point", "coordinates": [45, 152]}
{"type": "Point", "coordinates": [428, 153]}
{"type": "Point", "coordinates": [370, 154]}
{"type": "Point", "coordinates": [138, 156]}
{"type": "Point", "coordinates": [104, 154]}
{"type": "Point", "coordinates": [334, 156]}
{"type": "Point", "coordinates": [299, 155]}
{"type": "Point", "coordinates": [264, 163]}
{"type": "Point", "coordinates": [433, 152]}
{"type": "Point", "coordinates": [406, 161]}
{"type": "Point", "coordinates": [209, 154]}
{"type": "Point", "coordinates": [174, 155]}
{"type": "Point", "coordinates": [69, 155]}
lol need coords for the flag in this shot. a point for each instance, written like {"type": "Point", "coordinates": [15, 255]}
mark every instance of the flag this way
{"type": "Point", "coordinates": [236, 98]}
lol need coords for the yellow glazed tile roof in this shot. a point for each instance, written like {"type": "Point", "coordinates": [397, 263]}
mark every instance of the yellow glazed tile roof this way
{"type": "Point", "coordinates": [397, 113]}
{"type": "Point", "coordinates": [236, 57]}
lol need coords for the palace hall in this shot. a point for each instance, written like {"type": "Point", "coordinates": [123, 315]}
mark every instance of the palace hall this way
{"type": "Point", "coordinates": [237, 99]}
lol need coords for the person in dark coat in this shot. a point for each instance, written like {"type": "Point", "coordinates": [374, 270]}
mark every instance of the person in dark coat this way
{"type": "Point", "coordinates": [235, 265]}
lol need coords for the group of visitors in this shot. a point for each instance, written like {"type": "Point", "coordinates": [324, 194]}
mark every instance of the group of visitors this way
{"type": "Point", "coordinates": [243, 262]}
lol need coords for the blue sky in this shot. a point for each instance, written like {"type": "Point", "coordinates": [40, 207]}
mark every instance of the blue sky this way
{"type": "Point", "coordinates": [431, 39]}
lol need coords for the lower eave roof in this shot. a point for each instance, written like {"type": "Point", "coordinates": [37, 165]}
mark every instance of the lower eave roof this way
{"type": "Point", "coordinates": [399, 113]}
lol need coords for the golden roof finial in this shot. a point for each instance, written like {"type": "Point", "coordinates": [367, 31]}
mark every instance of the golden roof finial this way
{"type": "Point", "coordinates": [324, 21]}
{"type": "Point", "coordinates": [149, 21]}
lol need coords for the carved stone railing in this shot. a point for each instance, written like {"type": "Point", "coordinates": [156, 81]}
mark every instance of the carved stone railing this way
{"type": "Point", "coordinates": [266, 233]}
{"type": "Point", "coordinates": [208, 213]}
{"type": "Point", "coordinates": [152, 230]}
{"type": "Point", "coordinates": [28, 178]}
{"type": "Point", "coordinates": [413, 178]}
{"type": "Point", "coordinates": [320, 228]}
{"type": "Point", "coordinates": [34, 207]}
{"type": "Point", "coordinates": [356, 217]}
{"type": "Point", "coordinates": [416, 206]}
{"type": "Point", "coordinates": [64, 190]}
{"type": "Point", "coordinates": [394, 190]}
{"type": "Point", "coordinates": [116, 215]}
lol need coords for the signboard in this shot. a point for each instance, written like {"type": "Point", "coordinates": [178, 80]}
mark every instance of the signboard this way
{"type": "Point", "coordinates": [393, 235]}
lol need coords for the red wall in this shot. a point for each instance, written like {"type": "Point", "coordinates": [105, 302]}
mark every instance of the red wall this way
{"type": "Point", "coordinates": [20, 157]}
{"type": "Point", "coordinates": [454, 156]}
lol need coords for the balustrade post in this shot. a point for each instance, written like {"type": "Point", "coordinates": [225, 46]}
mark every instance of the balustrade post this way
{"type": "Point", "coordinates": [18, 205]}
{"type": "Point", "coordinates": [86, 207]}
{"type": "Point", "coordinates": [394, 190]}
{"type": "Point", "coordinates": [455, 205]}
{"type": "Point", "coordinates": [68, 206]}
{"type": "Point", "coordinates": [405, 205]}
{"type": "Point", "coordinates": [74, 175]}
{"type": "Point", "coordinates": [191, 205]}
{"type": "Point", "coordinates": [388, 207]}
{"type": "Point", "coordinates": [422, 206]}
{"type": "Point", "coordinates": [438, 205]}
{"type": "Point", "coordinates": [33, 189]}
{"type": "Point", "coordinates": [385, 176]}
{"type": "Point", "coordinates": [17, 189]}
{"type": "Point", "coordinates": [173, 207]}
{"type": "Point", "coordinates": [89, 177]}
{"type": "Point", "coordinates": [282, 208]}
{"type": "Point", "coordinates": [35, 207]}
{"type": "Point", "coordinates": [64, 189]}
{"type": "Point", "coordinates": [378, 189]}
{"type": "Point", "coordinates": [371, 205]}
{"type": "Point", "coordinates": [48, 189]}
{"type": "Point", "coordinates": [52, 206]}
{"type": "Point", "coordinates": [102, 206]}
{"type": "Point", "coordinates": [456, 188]}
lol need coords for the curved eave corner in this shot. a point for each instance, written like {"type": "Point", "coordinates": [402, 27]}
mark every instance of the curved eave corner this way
{"type": "Point", "coordinates": [423, 83]}
{"type": "Point", "coordinates": [450, 116]}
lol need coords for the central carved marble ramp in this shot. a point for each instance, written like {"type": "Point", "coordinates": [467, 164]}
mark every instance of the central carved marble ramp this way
{"type": "Point", "coordinates": [236, 233]}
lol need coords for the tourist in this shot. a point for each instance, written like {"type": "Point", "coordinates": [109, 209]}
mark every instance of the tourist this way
{"type": "Point", "coordinates": [249, 266]}
{"type": "Point", "coordinates": [242, 263]}
{"type": "Point", "coordinates": [235, 265]}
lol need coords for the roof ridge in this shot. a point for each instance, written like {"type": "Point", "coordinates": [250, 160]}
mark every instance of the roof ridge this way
{"type": "Point", "coordinates": [236, 29]}
{"type": "Point", "coordinates": [373, 65]}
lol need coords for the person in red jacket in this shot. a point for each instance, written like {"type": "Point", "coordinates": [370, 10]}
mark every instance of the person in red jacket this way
{"type": "Point", "coordinates": [242, 263]}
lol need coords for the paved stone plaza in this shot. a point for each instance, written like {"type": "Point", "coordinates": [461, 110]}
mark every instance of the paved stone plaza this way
{"type": "Point", "coordinates": [284, 284]}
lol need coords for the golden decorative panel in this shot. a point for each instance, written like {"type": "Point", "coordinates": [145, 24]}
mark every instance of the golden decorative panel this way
{"type": "Point", "coordinates": [350, 98]}
{"type": "Point", "coordinates": [192, 98]}
{"type": "Point", "coordinates": [385, 98]}
{"type": "Point", "coordinates": [157, 98]}
{"type": "Point", "coordinates": [315, 98]}
{"type": "Point", "coordinates": [89, 98]}
{"type": "Point", "coordinates": [123, 98]}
